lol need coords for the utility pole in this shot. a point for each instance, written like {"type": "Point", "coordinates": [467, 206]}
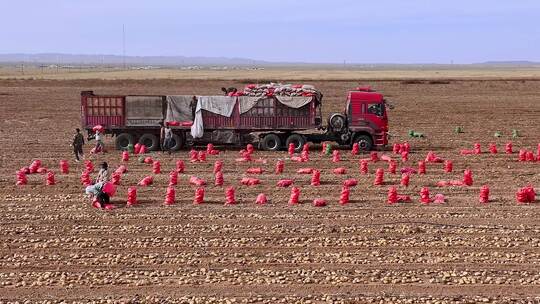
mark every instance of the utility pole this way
{"type": "Point", "coordinates": [124, 46]}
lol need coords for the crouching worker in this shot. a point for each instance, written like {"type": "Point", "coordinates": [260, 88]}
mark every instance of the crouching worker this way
{"type": "Point", "coordinates": [102, 190]}
{"type": "Point", "coordinates": [101, 194]}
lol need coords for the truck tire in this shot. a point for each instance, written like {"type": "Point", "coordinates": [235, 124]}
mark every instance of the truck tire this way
{"type": "Point", "coordinates": [123, 140]}
{"type": "Point", "coordinates": [150, 141]}
{"type": "Point", "coordinates": [364, 142]}
{"type": "Point", "coordinates": [298, 141]}
{"type": "Point", "coordinates": [178, 142]}
{"type": "Point", "coordinates": [271, 142]}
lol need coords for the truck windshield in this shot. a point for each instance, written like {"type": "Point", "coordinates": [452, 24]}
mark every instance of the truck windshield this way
{"type": "Point", "coordinates": [376, 108]}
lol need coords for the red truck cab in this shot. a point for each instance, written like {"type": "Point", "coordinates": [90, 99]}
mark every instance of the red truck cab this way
{"type": "Point", "coordinates": [366, 118]}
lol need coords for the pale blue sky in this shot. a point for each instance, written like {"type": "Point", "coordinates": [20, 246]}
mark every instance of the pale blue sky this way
{"type": "Point", "coordinates": [406, 31]}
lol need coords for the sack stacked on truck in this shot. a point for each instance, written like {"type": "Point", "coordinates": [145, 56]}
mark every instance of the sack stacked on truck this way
{"type": "Point", "coordinates": [272, 89]}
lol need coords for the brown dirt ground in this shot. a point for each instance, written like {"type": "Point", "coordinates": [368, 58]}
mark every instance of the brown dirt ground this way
{"type": "Point", "coordinates": [55, 247]}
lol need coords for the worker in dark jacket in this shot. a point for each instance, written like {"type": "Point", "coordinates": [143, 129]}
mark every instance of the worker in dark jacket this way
{"type": "Point", "coordinates": [78, 142]}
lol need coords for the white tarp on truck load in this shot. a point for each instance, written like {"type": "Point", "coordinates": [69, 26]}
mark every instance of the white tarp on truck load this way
{"type": "Point", "coordinates": [221, 105]}
{"type": "Point", "coordinates": [179, 108]}
{"type": "Point", "coordinates": [246, 103]}
{"type": "Point", "coordinates": [144, 110]}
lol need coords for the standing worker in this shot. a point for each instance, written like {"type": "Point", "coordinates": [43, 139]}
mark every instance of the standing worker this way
{"type": "Point", "coordinates": [166, 137]}
{"type": "Point", "coordinates": [78, 142]}
{"type": "Point", "coordinates": [99, 142]}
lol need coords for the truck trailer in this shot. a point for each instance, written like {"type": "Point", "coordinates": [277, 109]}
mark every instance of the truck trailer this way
{"type": "Point", "coordinates": [275, 118]}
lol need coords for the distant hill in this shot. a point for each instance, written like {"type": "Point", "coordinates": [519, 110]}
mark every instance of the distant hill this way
{"type": "Point", "coordinates": [511, 63]}
{"type": "Point", "coordinates": [55, 58]}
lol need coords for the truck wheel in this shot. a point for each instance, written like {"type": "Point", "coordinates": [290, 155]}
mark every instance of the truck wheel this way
{"type": "Point", "coordinates": [178, 142]}
{"type": "Point", "coordinates": [297, 140]}
{"type": "Point", "coordinates": [150, 141]}
{"type": "Point", "coordinates": [364, 142]}
{"type": "Point", "coordinates": [271, 142]}
{"type": "Point", "coordinates": [123, 140]}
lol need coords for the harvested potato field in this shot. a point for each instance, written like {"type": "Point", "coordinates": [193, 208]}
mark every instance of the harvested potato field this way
{"type": "Point", "coordinates": [56, 247]}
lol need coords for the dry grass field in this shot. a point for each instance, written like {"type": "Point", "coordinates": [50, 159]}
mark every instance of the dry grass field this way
{"type": "Point", "coordinates": [56, 248]}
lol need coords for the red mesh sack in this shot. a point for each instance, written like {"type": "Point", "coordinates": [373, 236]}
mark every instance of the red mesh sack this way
{"type": "Point", "coordinates": [508, 148]}
{"type": "Point", "coordinates": [364, 167]}
{"type": "Point", "coordinates": [304, 156]}
{"type": "Point", "coordinates": [396, 148]}
{"type": "Point", "coordinates": [85, 178]}
{"type": "Point", "coordinates": [64, 166]}
{"type": "Point", "coordinates": [477, 149]}
{"type": "Point", "coordinates": [305, 171]}
{"type": "Point", "coordinates": [202, 156]}
{"type": "Point", "coordinates": [254, 171]}
{"type": "Point", "coordinates": [121, 169]}
{"type": "Point", "coordinates": [131, 196]}
{"type": "Point", "coordinates": [340, 170]}
{"type": "Point", "coordinates": [125, 156]}
{"type": "Point", "coordinates": [319, 202]}
{"type": "Point", "coordinates": [279, 166]}
{"type": "Point", "coordinates": [88, 164]}
{"type": "Point", "coordinates": [218, 165]}
{"type": "Point", "coordinates": [344, 195]}
{"type": "Point", "coordinates": [148, 160]}
{"type": "Point", "coordinates": [250, 149]}
{"type": "Point", "coordinates": [448, 166]}
{"type": "Point", "coordinates": [392, 167]}
{"type": "Point", "coordinates": [193, 155]}
{"type": "Point", "coordinates": [305, 148]}
{"type": "Point", "coordinates": [374, 156]}
{"type": "Point", "coordinates": [421, 167]}
{"type": "Point", "coordinates": [295, 196]}
{"type": "Point", "coordinates": [146, 181]}
{"type": "Point", "coordinates": [137, 148]}
{"type": "Point", "coordinates": [173, 178]}
{"type": "Point", "coordinates": [248, 181]}
{"type": "Point", "coordinates": [336, 157]}
{"type": "Point", "coordinates": [229, 196]}
{"type": "Point", "coordinates": [385, 158]}
{"type": "Point", "coordinates": [404, 199]}
{"type": "Point", "coordinates": [197, 181]}
{"type": "Point", "coordinates": [323, 148]}
{"type": "Point", "coordinates": [209, 148]}
{"type": "Point", "coordinates": [355, 149]}
{"type": "Point", "coordinates": [180, 166]}
{"type": "Point", "coordinates": [466, 152]}
{"type": "Point", "coordinates": [261, 199]}
{"type": "Point", "coordinates": [379, 177]}
{"type": "Point", "coordinates": [284, 182]}
{"type": "Point", "coordinates": [21, 178]}
{"type": "Point", "coordinates": [406, 147]}
{"type": "Point", "coordinates": [115, 178]}
{"type": "Point", "coordinates": [291, 149]}
{"type": "Point", "coordinates": [484, 194]}
{"type": "Point", "coordinates": [492, 148]}
{"type": "Point", "coordinates": [467, 177]}
{"type": "Point", "coordinates": [156, 167]}
{"type": "Point", "coordinates": [424, 195]}
{"type": "Point", "coordinates": [522, 156]}
{"type": "Point", "coordinates": [351, 182]}
{"type": "Point", "coordinates": [405, 178]}
{"type": "Point", "coordinates": [529, 156]}
{"type": "Point", "coordinates": [218, 178]}
{"type": "Point", "coordinates": [392, 196]}
{"type": "Point", "coordinates": [42, 170]}
{"type": "Point", "coordinates": [404, 156]}
{"type": "Point", "coordinates": [170, 196]}
{"type": "Point", "coordinates": [143, 149]}
{"type": "Point", "coordinates": [316, 178]}
{"type": "Point", "coordinates": [199, 196]}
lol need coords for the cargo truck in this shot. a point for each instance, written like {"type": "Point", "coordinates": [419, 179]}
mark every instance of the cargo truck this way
{"type": "Point", "coordinates": [274, 121]}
